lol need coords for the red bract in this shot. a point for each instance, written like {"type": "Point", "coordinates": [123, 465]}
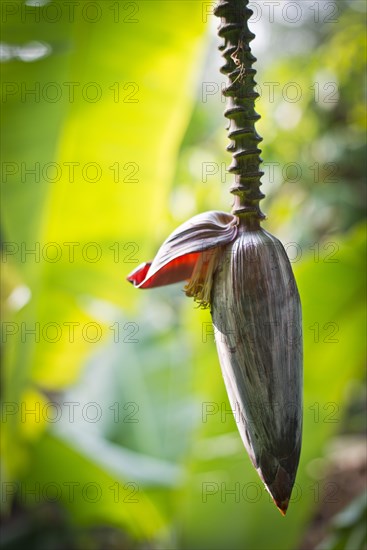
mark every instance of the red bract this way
{"type": "Point", "coordinates": [190, 253]}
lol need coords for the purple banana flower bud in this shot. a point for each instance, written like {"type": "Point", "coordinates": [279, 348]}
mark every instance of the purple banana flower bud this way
{"type": "Point", "coordinates": [256, 315]}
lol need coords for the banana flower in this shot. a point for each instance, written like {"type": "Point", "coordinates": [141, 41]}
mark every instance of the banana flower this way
{"type": "Point", "coordinates": [245, 277]}
{"type": "Point", "coordinates": [243, 274]}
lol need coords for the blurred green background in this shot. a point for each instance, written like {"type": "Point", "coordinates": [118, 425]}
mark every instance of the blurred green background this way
{"type": "Point", "coordinates": [116, 428]}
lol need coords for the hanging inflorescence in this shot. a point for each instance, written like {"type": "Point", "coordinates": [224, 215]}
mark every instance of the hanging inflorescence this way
{"type": "Point", "coordinates": [240, 109]}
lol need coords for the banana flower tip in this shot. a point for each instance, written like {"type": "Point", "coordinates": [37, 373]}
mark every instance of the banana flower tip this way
{"type": "Point", "coordinates": [282, 506]}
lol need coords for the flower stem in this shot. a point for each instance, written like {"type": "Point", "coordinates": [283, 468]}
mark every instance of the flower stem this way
{"type": "Point", "coordinates": [240, 109]}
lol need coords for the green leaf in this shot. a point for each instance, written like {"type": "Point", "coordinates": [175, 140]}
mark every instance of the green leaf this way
{"type": "Point", "coordinates": [104, 154]}
{"type": "Point", "coordinates": [91, 494]}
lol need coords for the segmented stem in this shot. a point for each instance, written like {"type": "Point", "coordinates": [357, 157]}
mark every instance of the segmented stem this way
{"type": "Point", "coordinates": [240, 109]}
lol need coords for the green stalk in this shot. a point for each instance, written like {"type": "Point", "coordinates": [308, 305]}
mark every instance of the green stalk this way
{"type": "Point", "coordinates": [240, 110]}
